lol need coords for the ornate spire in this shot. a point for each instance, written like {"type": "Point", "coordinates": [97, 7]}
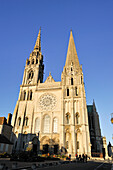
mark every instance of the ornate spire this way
{"type": "Point", "coordinates": [38, 41]}
{"type": "Point", "coordinates": [72, 58]}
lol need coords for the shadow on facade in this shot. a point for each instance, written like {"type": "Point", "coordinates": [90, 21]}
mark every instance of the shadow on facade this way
{"type": "Point", "coordinates": [30, 142]}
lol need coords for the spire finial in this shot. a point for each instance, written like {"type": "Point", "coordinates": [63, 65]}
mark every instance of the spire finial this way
{"type": "Point", "coordinates": [38, 41]}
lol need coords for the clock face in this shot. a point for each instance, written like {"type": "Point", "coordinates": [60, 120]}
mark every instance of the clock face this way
{"type": "Point", "coordinates": [47, 101]}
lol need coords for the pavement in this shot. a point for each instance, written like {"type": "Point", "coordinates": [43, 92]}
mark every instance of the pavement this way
{"type": "Point", "coordinates": [57, 165]}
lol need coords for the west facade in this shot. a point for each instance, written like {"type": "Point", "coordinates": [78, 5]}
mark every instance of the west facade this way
{"type": "Point", "coordinates": [55, 113]}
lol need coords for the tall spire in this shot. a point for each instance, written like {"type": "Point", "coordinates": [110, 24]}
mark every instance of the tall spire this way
{"type": "Point", "coordinates": [72, 57]}
{"type": "Point", "coordinates": [38, 41]}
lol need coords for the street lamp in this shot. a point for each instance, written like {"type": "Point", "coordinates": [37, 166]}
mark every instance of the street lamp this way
{"type": "Point", "coordinates": [112, 118]}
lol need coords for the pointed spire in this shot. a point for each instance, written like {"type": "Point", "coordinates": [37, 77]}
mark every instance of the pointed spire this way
{"type": "Point", "coordinates": [72, 58]}
{"type": "Point", "coordinates": [38, 41]}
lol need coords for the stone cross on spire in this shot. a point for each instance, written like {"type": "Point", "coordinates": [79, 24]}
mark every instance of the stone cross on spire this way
{"type": "Point", "coordinates": [72, 58]}
{"type": "Point", "coordinates": [38, 41]}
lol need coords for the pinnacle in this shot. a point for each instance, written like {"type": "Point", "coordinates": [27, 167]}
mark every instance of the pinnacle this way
{"type": "Point", "coordinates": [38, 41]}
{"type": "Point", "coordinates": [71, 53]}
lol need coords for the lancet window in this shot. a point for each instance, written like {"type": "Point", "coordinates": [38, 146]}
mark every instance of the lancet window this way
{"type": "Point", "coordinates": [47, 124]}
{"type": "Point", "coordinates": [76, 91]}
{"type": "Point", "coordinates": [55, 125]}
{"type": "Point", "coordinates": [37, 125]}
{"type": "Point", "coordinates": [81, 79]}
{"type": "Point", "coordinates": [77, 118]}
{"type": "Point", "coordinates": [26, 121]}
{"type": "Point", "coordinates": [67, 118]}
{"type": "Point", "coordinates": [71, 81]}
{"type": "Point", "coordinates": [32, 61]}
{"type": "Point", "coordinates": [24, 95]}
{"type": "Point", "coordinates": [28, 62]}
{"type": "Point", "coordinates": [36, 61]}
{"type": "Point", "coordinates": [30, 94]}
{"type": "Point", "coordinates": [19, 121]}
{"type": "Point", "coordinates": [67, 92]}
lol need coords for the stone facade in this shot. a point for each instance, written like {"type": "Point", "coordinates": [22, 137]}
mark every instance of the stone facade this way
{"type": "Point", "coordinates": [5, 134]}
{"type": "Point", "coordinates": [55, 112]}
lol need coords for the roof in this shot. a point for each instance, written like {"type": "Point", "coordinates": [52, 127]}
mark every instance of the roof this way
{"type": "Point", "coordinates": [2, 120]}
{"type": "Point", "coordinates": [3, 139]}
{"type": "Point", "coordinates": [90, 108]}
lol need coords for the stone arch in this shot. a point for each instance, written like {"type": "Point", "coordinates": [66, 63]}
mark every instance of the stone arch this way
{"type": "Point", "coordinates": [45, 140]}
{"type": "Point", "coordinates": [25, 132]}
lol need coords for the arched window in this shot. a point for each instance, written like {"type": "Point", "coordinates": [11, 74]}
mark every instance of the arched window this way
{"type": "Point", "coordinates": [81, 79]}
{"type": "Point", "coordinates": [36, 61]}
{"type": "Point", "coordinates": [67, 118]}
{"type": "Point", "coordinates": [33, 61]}
{"type": "Point", "coordinates": [28, 62]}
{"type": "Point", "coordinates": [24, 95]}
{"type": "Point", "coordinates": [77, 118]}
{"type": "Point", "coordinates": [31, 95]}
{"type": "Point", "coordinates": [47, 124]}
{"type": "Point", "coordinates": [19, 121]}
{"type": "Point", "coordinates": [71, 81]}
{"type": "Point", "coordinates": [55, 125]}
{"type": "Point", "coordinates": [76, 91]}
{"type": "Point", "coordinates": [31, 74]}
{"type": "Point", "coordinates": [37, 125]}
{"type": "Point", "coordinates": [28, 96]}
{"type": "Point", "coordinates": [26, 121]}
{"type": "Point", "coordinates": [67, 92]}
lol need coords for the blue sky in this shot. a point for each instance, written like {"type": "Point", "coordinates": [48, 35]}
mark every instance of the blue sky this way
{"type": "Point", "coordinates": [92, 24]}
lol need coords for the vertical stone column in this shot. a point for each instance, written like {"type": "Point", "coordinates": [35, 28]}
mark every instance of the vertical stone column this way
{"type": "Point", "coordinates": [73, 147]}
{"type": "Point", "coordinates": [36, 75]}
{"type": "Point", "coordinates": [24, 76]}
{"type": "Point", "coordinates": [62, 134]}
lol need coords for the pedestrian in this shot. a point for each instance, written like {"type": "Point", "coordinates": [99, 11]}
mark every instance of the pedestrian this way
{"type": "Point", "coordinates": [86, 158]}
{"type": "Point", "coordinates": [83, 156]}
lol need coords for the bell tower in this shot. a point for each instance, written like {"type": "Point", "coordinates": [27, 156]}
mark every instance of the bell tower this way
{"type": "Point", "coordinates": [75, 130]}
{"type": "Point", "coordinates": [34, 68]}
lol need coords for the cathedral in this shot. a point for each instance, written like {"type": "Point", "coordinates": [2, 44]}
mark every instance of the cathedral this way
{"type": "Point", "coordinates": [52, 116]}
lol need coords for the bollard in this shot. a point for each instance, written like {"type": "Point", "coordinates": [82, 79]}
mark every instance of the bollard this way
{"type": "Point", "coordinates": [14, 165]}
{"type": "Point", "coordinates": [2, 166]}
{"type": "Point", "coordinates": [33, 166]}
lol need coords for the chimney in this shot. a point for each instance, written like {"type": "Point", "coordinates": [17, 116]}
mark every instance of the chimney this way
{"type": "Point", "coordinates": [9, 118]}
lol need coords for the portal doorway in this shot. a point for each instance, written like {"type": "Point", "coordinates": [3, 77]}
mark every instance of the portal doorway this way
{"type": "Point", "coordinates": [56, 147]}
{"type": "Point", "coordinates": [34, 148]}
{"type": "Point", "coordinates": [45, 148]}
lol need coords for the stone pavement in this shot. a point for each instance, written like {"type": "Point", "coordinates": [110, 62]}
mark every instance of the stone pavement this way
{"type": "Point", "coordinates": [56, 165]}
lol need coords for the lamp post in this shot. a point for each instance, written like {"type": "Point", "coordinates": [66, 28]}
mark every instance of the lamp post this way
{"type": "Point", "coordinates": [112, 118]}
